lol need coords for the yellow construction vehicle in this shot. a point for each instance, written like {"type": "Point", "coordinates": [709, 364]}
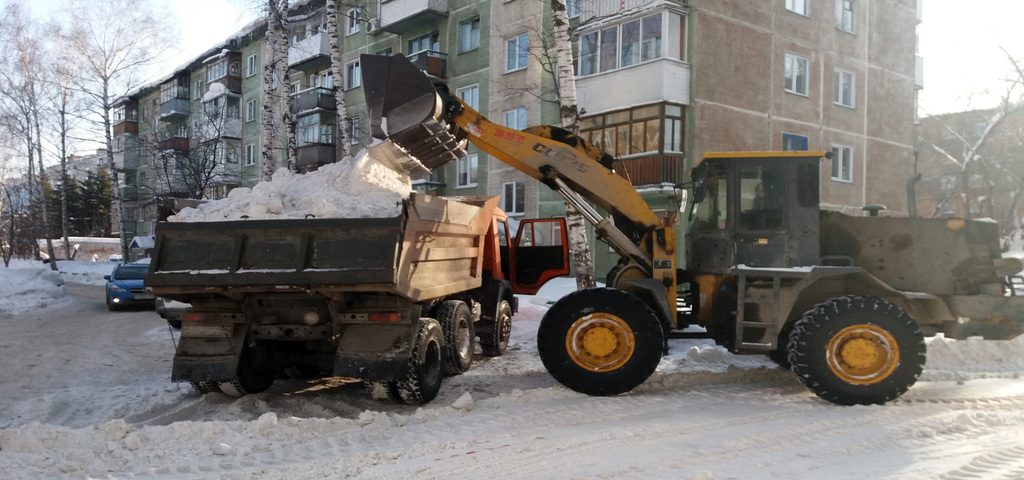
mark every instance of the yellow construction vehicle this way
{"type": "Point", "coordinates": [767, 271]}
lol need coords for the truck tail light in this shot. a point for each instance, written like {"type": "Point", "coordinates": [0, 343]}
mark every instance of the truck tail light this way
{"type": "Point", "coordinates": [198, 317]}
{"type": "Point", "coordinates": [384, 317]}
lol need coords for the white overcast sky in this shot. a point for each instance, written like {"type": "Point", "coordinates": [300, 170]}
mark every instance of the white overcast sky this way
{"type": "Point", "coordinates": [959, 41]}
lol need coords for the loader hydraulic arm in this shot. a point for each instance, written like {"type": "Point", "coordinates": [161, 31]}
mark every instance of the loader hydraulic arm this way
{"type": "Point", "coordinates": [424, 119]}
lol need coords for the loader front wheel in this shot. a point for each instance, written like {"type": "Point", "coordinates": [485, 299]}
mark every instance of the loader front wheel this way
{"type": "Point", "coordinates": [600, 341]}
{"type": "Point", "coordinates": [855, 350]}
{"type": "Point", "coordinates": [457, 325]}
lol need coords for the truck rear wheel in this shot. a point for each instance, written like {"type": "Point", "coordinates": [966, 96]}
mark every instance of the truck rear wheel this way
{"type": "Point", "coordinates": [254, 374]}
{"type": "Point", "coordinates": [856, 350]}
{"type": "Point", "coordinates": [494, 334]}
{"type": "Point", "coordinates": [457, 325]}
{"type": "Point", "coordinates": [382, 390]}
{"type": "Point", "coordinates": [600, 341]}
{"type": "Point", "coordinates": [424, 372]}
{"type": "Point", "coordinates": [204, 387]}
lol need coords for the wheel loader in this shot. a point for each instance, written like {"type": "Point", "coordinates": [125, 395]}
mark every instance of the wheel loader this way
{"type": "Point", "coordinates": [843, 301]}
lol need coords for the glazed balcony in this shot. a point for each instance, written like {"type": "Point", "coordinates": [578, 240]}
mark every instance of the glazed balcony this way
{"type": "Point", "coordinates": [653, 170]}
{"type": "Point", "coordinates": [313, 155]}
{"type": "Point", "coordinates": [310, 51]}
{"type": "Point", "coordinates": [400, 16]}
{"type": "Point", "coordinates": [431, 62]}
{"type": "Point", "coordinates": [176, 143]}
{"type": "Point", "coordinates": [313, 99]}
{"type": "Point", "coordinates": [175, 107]}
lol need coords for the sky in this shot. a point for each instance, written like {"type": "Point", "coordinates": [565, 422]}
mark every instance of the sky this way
{"type": "Point", "coordinates": [959, 42]}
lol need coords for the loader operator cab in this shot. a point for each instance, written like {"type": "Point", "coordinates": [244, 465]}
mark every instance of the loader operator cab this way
{"type": "Point", "coordinates": [758, 209]}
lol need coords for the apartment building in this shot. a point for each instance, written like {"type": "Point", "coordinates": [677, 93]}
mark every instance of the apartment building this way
{"type": "Point", "coordinates": [660, 82]}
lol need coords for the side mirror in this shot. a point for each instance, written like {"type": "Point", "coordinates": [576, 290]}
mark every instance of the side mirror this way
{"type": "Point", "coordinates": [106, 277]}
{"type": "Point", "coordinates": [700, 189]}
{"type": "Point", "coordinates": [683, 200]}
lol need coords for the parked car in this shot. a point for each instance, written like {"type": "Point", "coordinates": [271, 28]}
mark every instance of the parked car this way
{"type": "Point", "coordinates": [125, 287]}
{"type": "Point", "coordinates": [171, 310]}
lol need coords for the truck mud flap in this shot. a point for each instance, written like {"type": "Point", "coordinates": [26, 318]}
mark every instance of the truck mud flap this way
{"type": "Point", "coordinates": [373, 351]}
{"type": "Point", "coordinates": [215, 368]}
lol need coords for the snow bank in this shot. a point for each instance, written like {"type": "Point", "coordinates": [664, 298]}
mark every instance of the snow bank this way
{"type": "Point", "coordinates": [85, 272]}
{"type": "Point", "coordinates": [359, 187]}
{"type": "Point", "coordinates": [28, 287]}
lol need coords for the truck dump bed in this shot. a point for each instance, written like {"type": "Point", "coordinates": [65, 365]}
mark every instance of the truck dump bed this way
{"type": "Point", "coordinates": [434, 248]}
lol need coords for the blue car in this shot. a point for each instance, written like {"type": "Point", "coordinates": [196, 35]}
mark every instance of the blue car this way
{"type": "Point", "coordinates": [124, 287]}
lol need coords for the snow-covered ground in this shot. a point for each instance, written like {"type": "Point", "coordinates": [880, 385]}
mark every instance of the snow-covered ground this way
{"type": "Point", "coordinates": [86, 394]}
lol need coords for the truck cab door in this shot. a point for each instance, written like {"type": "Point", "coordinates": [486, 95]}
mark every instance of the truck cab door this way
{"type": "Point", "coordinates": [540, 252]}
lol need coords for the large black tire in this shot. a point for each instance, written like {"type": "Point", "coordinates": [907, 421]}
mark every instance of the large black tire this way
{"type": "Point", "coordinates": [781, 353]}
{"type": "Point", "coordinates": [457, 325]}
{"type": "Point", "coordinates": [254, 374]}
{"type": "Point", "coordinates": [494, 333]}
{"type": "Point", "coordinates": [174, 323]}
{"type": "Point", "coordinates": [616, 341]}
{"type": "Point", "coordinates": [204, 387]}
{"type": "Point", "coordinates": [424, 372]}
{"type": "Point", "coordinates": [855, 350]}
{"type": "Point", "coordinates": [382, 390]}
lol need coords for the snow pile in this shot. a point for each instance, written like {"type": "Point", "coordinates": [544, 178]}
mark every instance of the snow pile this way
{"type": "Point", "coordinates": [360, 187]}
{"type": "Point", "coordinates": [27, 287]}
{"type": "Point", "coordinates": [973, 358]}
{"type": "Point", "coordinates": [85, 272]}
{"type": "Point", "coordinates": [216, 90]}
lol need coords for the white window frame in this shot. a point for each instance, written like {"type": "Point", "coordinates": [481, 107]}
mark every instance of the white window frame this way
{"type": "Point", "coordinates": [842, 154]}
{"type": "Point", "coordinates": [474, 100]}
{"type": "Point", "coordinates": [572, 8]}
{"type": "Point", "coordinates": [250, 154]}
{"type": "Point", "coordinates": [250, 65]}
{"type": "Point", "coordinates": [839, 79]}
{"type": "Point", "coordinates": [846, 20]}
{"type": "Point", "coordinates": [505, 200]}
{"type": "Point", "coordinates": [516, 111]}
{"type": "Point", "coordinates": [471, 44]}
{"type": "Point", "coordinates": [799, 7]}
{"type": "Point", "coordinates": [468, 164]}
{"type": "Point", "coordinates": [795, 89]}
{"type": "Point", "coordinates": [517, 40]}
{"type": "Point", "coordinates": [353, 26]}
{"type": "Point", "coordinates": [250, 110]}
{"type": "Point", "coordinates": [353, 80]}
{"type": "Point", "coordinates": [353, 130]}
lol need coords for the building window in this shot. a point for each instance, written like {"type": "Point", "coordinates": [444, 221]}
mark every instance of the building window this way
{"type": "Point", "coordinates": [470, 96]}
{"type": "Point", "coordinates": [572, 8]}
{"type": "Point", "coordinates": [516, 118]}
{"type": "Point", "coordinates": [469, 35]}
{"type": "Point", "coordinates": [353, 20]}
{"type": "Point", "coordinates": [844, 15]}
{"type": "Point", "coordinates": [250, 110]}
{"type": "Point", "coordinates": [353, 130]}
{"type": "Point", "coordinates": [217, 70]}
{"type": "Point", "coordinates": [353, 75]}
{"type": "Point", "coordinates": [796, 70]}
{"type": "Point", "coordinates": [794, 143]}
{"type": "Point", "coordinates": [645, 129]}
{"type": "Point", "coordinates": [387, 52]}
{"type": "Point", "coordinates": [513, 197]}
{"type": "Point", "coordinates": [466, 171]}
{"type": "Point", "coordinates": [198, 87]}
{"type": "Point", "coordinates": [633, 42]}
{"type": "Point", "coordinates": [843, 88]}
{"type": "Point", "coordinates": [842, 163]}
{"type": "Point", "coordinates": [295, 87]}
{"type": "Point", "coordinates": [310, 130]}
{"type": "Point", "coordinates": [250, 154]}
{"type": "Point", "coordinates": [516, 50]}
{"type": "Point", "coordinates": [799, 6]}
{"type": "Point", "coordinates": [430, 41]}
{"type": "Point", "coordinates": [250, 65]}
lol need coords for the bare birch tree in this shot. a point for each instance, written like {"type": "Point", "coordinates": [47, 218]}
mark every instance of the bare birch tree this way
{"type": "Point", "coordinates": [344, 141]}
{"type": "Point", "coordinates": [116, 41]}
{"type": "Point", "coordinates": [275, 91]}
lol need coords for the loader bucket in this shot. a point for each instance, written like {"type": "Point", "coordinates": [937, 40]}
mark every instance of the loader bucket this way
{"type": "Point", "coordinates": [406, 109]}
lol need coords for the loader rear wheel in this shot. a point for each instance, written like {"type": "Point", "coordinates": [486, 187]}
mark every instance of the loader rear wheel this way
{"type": "Point", "coordinates": [855, 350]}
{"type": "Point", "coordinates": [254, 374]}
{"type": "Point", "coordinates": [382, 390]}
{"type": "Point", "coordinates": [457, 325]}
{"type": "Point", "coordinates": [494, 334]}
{"type": "Point", "coordinates": [600, 341]}
{"type": "Point", "coordinates": [424, 372]}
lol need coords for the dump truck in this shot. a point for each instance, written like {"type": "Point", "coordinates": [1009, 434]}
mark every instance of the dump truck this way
{"type": "Point", "coordinates": [843, 301]}
{"type": "Point", "coordinates": [396, 302]}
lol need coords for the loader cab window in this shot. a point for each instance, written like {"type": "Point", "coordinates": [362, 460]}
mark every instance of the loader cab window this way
{"type": "Point", "coordinates": [762, 196]}
{"type": "Point", "coordinates": [711, 212]}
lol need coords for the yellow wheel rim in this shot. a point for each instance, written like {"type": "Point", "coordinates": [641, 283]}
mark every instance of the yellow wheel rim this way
{"type": "Point", "coordinates": [600, 342]}
{"type": "Point", "coordinates": [863, 354]}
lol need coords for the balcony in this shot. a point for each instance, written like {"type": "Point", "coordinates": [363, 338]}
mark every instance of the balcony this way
{"type": "Point", "coordinates": [312, 50]}
{"type": "Point", "coordinates": [312, 155]}
{"type": "Point", "coordinates": [176, 107]}
{"type": "Point", "coordinates": [652, 170]}
{"type": "Point", "coordinates": [400, 16]}
{"type": "Point", "coordinates": [312, 99]}
{"type": "Point", "coordinates": [659, 80]}
{"type": "Point", "coordinates": [218, 128]}
{"type": "Point", "coordinates": [429, 61]}
{"type": "Point", "coordinates": [606, 8]}
{"type": "Point", "coordinates": [176, 143]}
